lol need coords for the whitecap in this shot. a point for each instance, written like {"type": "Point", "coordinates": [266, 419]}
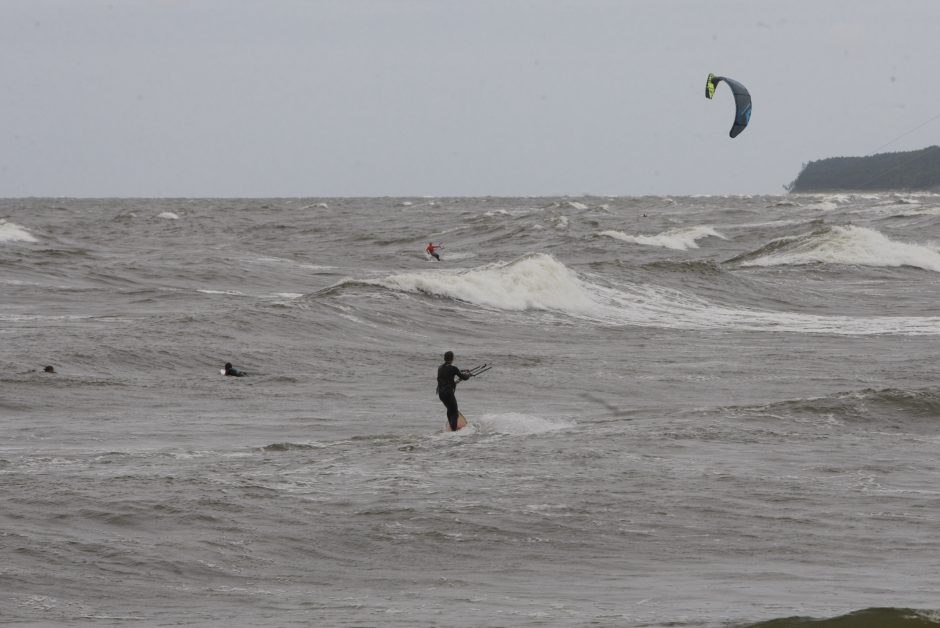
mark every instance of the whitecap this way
{"type": "Point", "coordinates": [540, 282]}
{"type": "Point", "coordinates": [518, 423]}
{"type": "Point", "coordinates": [168, 216]}
{"type": "Point", "coordinates": [281, 260]}
{"type": "Point", "coordinates": [231, 293]}
{"type": "Point", "coordinates": [12, 232]}
{"type": "Point", "coordinates": [533, 282]}
{"type": "Point", "coordinates": [846, 245]}
{"type": "Point", "coordinates": [826, 205]}
{"type": "Point", "coordinates": [677, 239]}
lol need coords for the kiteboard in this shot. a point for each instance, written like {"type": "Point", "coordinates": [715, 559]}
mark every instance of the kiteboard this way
{"type": "Point", "coordinates": [461, 422]}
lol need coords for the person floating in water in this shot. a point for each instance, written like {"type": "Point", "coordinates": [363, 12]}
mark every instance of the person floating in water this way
{"type": "Point", "coordinates": [231, 371]}
{"type": "Point", "coordinates": [447, 386]}
{"type": "Point", "coordinates": [432, 250]}
{"type": "Point", "coordinates": [48, 369]}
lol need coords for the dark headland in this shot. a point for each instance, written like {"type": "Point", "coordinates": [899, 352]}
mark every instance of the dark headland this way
{"type": "Point", "coordinates": [908, 171]}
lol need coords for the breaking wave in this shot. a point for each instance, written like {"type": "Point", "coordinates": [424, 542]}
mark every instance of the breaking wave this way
{"type": "Point", "coordinates": [534, 282]}
{"type": "Point", "coordinates": [677, 239]}
{"type": "Point", "coordinates": [12, 232]}
{"type": "Point", "coordinates": [541, 282]}
{"type": "Point", "coordinates": [842, 245]}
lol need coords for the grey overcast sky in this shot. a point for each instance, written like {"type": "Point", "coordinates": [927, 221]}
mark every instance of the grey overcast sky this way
{"type": "Point", "coordinates": [452, 97]}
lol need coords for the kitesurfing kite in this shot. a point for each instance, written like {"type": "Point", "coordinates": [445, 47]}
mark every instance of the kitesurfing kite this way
{"type": "Point", "coordinates": [742, 101]}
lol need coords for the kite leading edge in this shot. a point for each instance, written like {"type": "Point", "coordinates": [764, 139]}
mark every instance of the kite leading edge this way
{"type": "Point", "coordinates": [742, 101]}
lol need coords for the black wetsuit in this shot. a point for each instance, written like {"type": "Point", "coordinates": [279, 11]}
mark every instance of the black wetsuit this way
{"type": "Point", "coordinates": [234, 372]}
{"type": "Point", "coordinates": [445, 391]}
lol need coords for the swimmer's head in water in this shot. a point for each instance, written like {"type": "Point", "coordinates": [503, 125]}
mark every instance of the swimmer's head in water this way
{"type": "Point", "coordinates": [49, 369]}
{"type": "Point", "coordinates": [228, 365]}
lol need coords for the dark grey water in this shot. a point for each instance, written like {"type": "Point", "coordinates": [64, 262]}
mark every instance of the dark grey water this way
{"type": "Point", "coordinates": [703, 411]}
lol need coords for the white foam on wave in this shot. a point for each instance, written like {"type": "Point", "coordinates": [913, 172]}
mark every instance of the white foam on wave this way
{"type": "Point", "coordinates": [933, 210]}
{"type": "Point", "coordinates": [455, 255]}
{"type": "Point", "coordinates": [537, 282]}
{"type": "Point", "coordinates": [848, 245]}
{"type": "Point", "coordinates": [829, 202]}
{"type": "Point", "coordinates": [517, 423]}
{"type": "Point", "coordinates": [678, 239]}
{"type": "Point", "coordinates": [540, 282]}
{"type": "Point", "coordinates": [288, 296]}
{"type": "Point", "coordinates": [230, 293]}
{"type": "Point", "coordinates": [168, 216]}
{"type": "Point", "coordinates": [19, 318]}
{"type": "Point", "coordinates": [898, 199]}
{"type": "Point", "coordinates": [289, 262]}
{"type": "Point", "coordinates": [899, 210]}
{"type": "Point", "coordinates": [12, 232]}
{"type": "Point", "coordinates": [663, 307]}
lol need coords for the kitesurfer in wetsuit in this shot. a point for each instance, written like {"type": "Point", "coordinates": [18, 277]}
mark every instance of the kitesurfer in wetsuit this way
{"type": "Point", "coordinates": [231, 371]}
{"type": "Point", "coordinates": [446, 386]}
{"type": "Point", "coordinates": [432, 251]}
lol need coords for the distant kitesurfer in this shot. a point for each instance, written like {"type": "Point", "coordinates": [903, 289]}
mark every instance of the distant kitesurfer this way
{"type": "Point", "coordinates": [446, 386]}
{"type": "Point", "coordinates": [432, 250]}
{"type": "Point", "coordinates": [231, 371]}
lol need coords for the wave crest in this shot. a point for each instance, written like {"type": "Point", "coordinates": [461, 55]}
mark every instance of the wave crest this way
{"type": "Point", "coordinates": [535, 281]}
{"type": "Point", "coordinates": [677, 239]}
{"type": "Point", "coordinates": [540, 282]}
{"type": "Point", "coordinates": [842, 245]}
{"type": "Point", "coordinates": [867, 404]}
{"type": "Point", "coordinates": [12, 232]}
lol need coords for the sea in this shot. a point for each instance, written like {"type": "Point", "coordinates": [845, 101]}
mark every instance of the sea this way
{"type": "Point", "coordinates": [714, 411]}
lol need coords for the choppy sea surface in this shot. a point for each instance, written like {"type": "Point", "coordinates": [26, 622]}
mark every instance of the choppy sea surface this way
{"type": "Point", "coordinates": [704, 412]}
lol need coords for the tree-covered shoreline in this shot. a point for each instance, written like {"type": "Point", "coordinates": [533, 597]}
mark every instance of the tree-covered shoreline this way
{"type": "Point", "coordinates": [909, 170]}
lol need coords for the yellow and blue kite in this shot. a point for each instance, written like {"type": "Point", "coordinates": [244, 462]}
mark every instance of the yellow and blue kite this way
{"type": "Point", "coordinates": [742, 101]}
